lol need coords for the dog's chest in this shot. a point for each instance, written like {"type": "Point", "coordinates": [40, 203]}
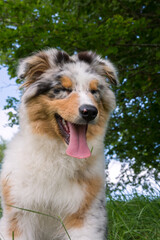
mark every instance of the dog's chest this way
{"type": "Point", "coordinates": [49, 190]}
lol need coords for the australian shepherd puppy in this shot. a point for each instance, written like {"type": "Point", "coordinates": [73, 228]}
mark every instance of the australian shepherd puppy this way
{"type": "Point", "coordinates": [55, 164]}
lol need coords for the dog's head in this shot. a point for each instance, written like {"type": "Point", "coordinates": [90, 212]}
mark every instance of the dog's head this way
{"type": "Point", "coordinates": [68, 97]}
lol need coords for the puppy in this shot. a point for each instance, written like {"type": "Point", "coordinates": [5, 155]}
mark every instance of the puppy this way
{"type": "Point", "coordinates": [55, 164]}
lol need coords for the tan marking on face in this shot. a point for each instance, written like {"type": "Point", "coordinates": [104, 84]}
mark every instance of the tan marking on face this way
{"type": "Point", "coordinates": [41, 112]}
{"type": "Point", "coordinates": [104, 108]}
{"type": "Point", "coordinates": [92, 188]}
{"type": "Point", "coordinates": [67, 108]}
{"type": "Point", "coordinates": [6, 193]}
{"type": "Point", "coordinates": [93, 85]}
{"type": "Point", "coordinates": [66, 82]}
{"type": "Point", "coordinates": [100, 127]}
{"type": "Point", "coordinates": [41, 117]}
{"type": "Point", "coordinates": [13, 226]}
{"type": "Point", "coordinates": [37, 65]}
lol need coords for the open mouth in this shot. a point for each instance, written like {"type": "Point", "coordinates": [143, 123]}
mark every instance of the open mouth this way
{"type": "Point", "coordinates": [63, 128]}
{"type": "Point", "coordinates": [75, 137]}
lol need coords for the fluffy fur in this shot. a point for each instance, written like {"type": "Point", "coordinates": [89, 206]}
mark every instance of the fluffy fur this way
{"type": "Point", "coordinates": [37, 173]}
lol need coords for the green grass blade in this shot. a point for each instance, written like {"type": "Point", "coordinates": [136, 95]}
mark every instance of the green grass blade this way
{"type": "Point", "coordinates": [57, 218]}
{"type": "Point", "coordinates": [12, 235]}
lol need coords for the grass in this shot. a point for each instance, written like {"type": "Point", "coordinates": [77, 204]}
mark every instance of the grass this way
{"type": "Point", "coordinates": [135, 219]}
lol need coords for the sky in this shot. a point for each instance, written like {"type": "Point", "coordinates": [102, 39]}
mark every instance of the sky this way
{"type": "Point", "coordinates": [9, 88]}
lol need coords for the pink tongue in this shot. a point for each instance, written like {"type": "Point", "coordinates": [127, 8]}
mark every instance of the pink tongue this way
{"type": "Point", "coordinates": [78, 147]}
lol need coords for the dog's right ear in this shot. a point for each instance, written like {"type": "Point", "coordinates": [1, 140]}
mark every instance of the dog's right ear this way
{"type": "Point", "coordinates": [31, 68]}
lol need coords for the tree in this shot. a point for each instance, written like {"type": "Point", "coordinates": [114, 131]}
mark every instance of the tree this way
{"type": "Point", "coordinates": [2, 148]}
{"type": "Point", "coordinates": [127, 32]}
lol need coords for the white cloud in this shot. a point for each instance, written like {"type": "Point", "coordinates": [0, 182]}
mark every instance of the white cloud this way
{"type": "Point", "coordinates": [8, 87]}
{"type": "Point", "coordinates": [6, 132]}
{"type": "Point", "coordinates": [114, 169]}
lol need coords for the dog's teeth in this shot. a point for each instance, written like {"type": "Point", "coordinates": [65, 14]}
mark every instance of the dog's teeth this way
{"type": "Point", "coordinates": [64, 124]}
{"type": "Point", "coordinates": [67, 127]}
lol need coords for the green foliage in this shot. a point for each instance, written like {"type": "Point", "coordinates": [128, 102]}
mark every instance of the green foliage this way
{"type": "Point", "coordinates": [2, 148]}
{"type": "Point", "coordinates": [125, 31]}
{"type": "Point", "coordinates": [0, 212]}
{"type": "Point", "coordinates": [137, 218]}
{"type": "Point", "coordinates": [12, 115]}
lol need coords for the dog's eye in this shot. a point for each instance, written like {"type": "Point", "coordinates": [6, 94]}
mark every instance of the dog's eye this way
{"type": "Point", "coordinates": [58, 90]}
{"type": "Point", "coordinates": [68, 90]}
{"type": "Point", "coordinates": [94, 91]}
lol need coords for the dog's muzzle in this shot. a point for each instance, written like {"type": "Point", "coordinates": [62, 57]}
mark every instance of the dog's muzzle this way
{"type": "Point", "coordinates": [74, 133]}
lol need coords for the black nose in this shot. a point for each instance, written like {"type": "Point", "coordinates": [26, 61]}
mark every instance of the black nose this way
{"type": "Point", "coordinates": [88, 112]}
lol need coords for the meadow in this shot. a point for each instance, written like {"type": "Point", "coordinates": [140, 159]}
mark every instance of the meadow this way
{"type": "Point", "coordinates": [134, 218]}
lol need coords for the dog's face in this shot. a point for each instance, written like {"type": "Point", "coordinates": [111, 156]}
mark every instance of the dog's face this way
{"type": "Point", "coordinates": [67, 97]}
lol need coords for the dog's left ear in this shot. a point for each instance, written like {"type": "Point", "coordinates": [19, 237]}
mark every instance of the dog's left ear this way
{"type": "Point", "coordinates": [108, 69]}
{"type": "Point", "coordinates": [31, 68]}
{"type": "Point", "coordinates": [102, 66]}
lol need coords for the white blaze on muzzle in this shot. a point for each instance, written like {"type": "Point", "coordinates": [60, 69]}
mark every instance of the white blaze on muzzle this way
{"type": "Point", "coordinates": [84, 98]}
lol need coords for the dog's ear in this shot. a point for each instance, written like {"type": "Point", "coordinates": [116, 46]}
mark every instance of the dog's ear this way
{"type": "Point", "coordinates": [31, 68]}
{"type": "Point", "coordinates": [108, 69]}
{"type": "Point", "coordinates": [102, 66]}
